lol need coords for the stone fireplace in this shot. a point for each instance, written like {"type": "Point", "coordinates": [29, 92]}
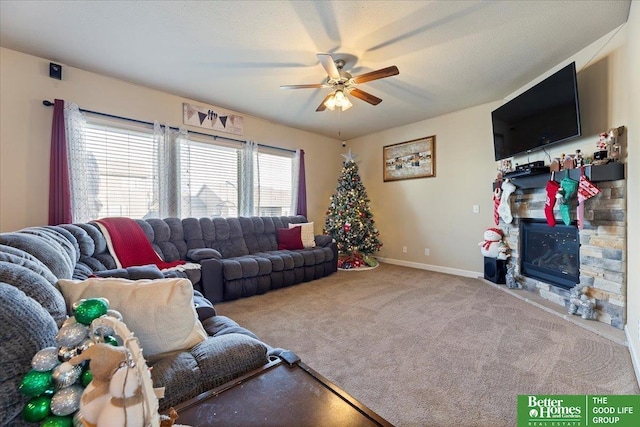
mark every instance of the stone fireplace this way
{"type": "Point", "coordinates": [602, 247]}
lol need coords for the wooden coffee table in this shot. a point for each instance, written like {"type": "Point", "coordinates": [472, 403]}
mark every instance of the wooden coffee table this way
{"type": "Point", "coordinates": [278, 394]}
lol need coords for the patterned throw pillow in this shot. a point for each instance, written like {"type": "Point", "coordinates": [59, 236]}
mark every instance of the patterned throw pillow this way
{"type": "Point", "coordinates": [307, 234]}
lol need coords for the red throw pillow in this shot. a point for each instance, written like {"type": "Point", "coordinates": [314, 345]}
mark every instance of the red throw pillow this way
{"type": "Point", "coordinates": [289, 238]}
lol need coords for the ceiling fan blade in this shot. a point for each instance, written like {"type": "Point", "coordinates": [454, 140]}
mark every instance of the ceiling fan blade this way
{"type": "Point", "coordinates": [323, 107]}
{"type": "Point", "coordinates": [367, 97]}
{"type": "Point", "coordinates": [309, 86]}
{"type": "Point", "coordinates": [329, 65]}
{"type": "Point", "coordinates": [378, 74]}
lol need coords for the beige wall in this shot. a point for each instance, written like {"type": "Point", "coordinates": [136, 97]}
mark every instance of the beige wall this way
{"type": "Point", "coordinates": [435, 213]}
{"type": "Point", "coordinates": [25, 128]}
{"type": "Point", "coordinates": [633, 186]}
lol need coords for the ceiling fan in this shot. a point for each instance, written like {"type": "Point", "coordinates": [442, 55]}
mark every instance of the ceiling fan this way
{"type": "Point", "coordinates": [344, 83]}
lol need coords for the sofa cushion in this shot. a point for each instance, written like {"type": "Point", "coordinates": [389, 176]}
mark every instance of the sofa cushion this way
{"type": "Point", "coordinates": [307, 234]}
{"type": "Point", "coordinates": [209, 364]}
{"type": "Point", "coordinates": [35, 286]}
{"type": "Point", "coordinates": [161, 313]}
{"type": "Point", "coordinates": [289, 238]}
{"type": "Point", "coordinates": [26, 329]}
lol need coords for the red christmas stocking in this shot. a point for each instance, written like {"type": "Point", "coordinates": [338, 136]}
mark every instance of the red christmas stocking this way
{"type": "Point", "coordinates": [552, 189]}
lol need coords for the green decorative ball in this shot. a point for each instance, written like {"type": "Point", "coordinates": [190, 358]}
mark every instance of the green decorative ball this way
{"type": "Point", "coordinates": [35, 383]}
{"type": "Point", "coordinates": [56, 421]}
{"type": "Point", "coordinates": [86, 378]}
{"type": "Point", "coordinates": [111, 340]}
{"type": "Point", "coordinates": [90, 309]}
{"type": "Point", "coordinates": [36, 409]}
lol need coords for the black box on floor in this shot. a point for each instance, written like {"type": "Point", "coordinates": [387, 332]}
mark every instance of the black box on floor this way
{"type": "Point", "coordinates": [495, 270]}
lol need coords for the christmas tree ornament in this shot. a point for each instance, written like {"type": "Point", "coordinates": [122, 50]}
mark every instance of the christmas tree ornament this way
{"type": "Point", "coordinates": [71, 335]}
{"type": "Point", "coordinates": [66, 353]}
{"type": "Point", "coordinates": [66, 400]}
{"type": "Point", "coordinates": [84, 345]}
{"type": "Point", "coordinates": [56, 421]}
{"type": "Point", "coordinates": [37, 409]}
{"type": "Point", "coordinates": [111, 340]}
{"type": "Point", "coordinates": [35, 383]}
{"type": "Point", "coordinates": [103, 331]}
{"type": "Point", "coordinates": [45, 360]}
{"type": "Point", "coordinates": [504, 209]}
{"type": "Point", "coordinates": [552, 189]}
{"type": "Point", "coordinates": [86, 377]}
{"type": "Point", "coordinates": [65, 374]}
{"type": "Point", "coordinates": [89, 309]}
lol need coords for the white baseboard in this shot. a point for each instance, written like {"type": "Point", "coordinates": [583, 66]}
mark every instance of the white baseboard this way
{"type": "Point", "coordinates": [635, 356]}
{"type": "Point", "coordinates": [437, 268]}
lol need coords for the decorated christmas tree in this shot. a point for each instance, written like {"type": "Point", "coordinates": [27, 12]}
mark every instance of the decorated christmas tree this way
{"type": "Point", "coordinates": [350, 221]}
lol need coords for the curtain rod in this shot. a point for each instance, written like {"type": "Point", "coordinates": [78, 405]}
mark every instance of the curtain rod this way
{"type": "Point", "coordinates": [48, 103]}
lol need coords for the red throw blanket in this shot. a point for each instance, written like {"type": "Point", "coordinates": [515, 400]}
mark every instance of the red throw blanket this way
{"type": "Point", "coordinates": [129, 245]}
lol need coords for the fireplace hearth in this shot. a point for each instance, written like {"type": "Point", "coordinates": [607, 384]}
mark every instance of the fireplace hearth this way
{"type": "Point", "coordinates": [551, 254]}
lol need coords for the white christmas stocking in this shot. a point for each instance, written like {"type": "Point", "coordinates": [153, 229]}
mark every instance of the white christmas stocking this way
{"type": "Point", "coordinates": [505, 208]}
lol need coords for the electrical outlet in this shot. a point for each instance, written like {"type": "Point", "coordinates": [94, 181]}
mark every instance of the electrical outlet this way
{"type": "Point", "coordinates": [476, 209]}
{"type": "Point", "coordinates": [404, 249]}
{"type": "Point", "coordinates": [426, 251]}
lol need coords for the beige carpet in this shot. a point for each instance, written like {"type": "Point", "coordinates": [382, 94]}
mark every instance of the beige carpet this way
{"type": "Point", "coordinates": [431, 349]}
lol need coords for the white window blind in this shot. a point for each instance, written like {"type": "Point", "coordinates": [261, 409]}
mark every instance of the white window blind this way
{"type": "Point", "coordinates": [124, 176]}
{"type": "Point", "coordinates": [273, 183]}
{"type": "Point", "coordinates": [209, 180]}
{"type": "Point", "coordinates": [122, 179]}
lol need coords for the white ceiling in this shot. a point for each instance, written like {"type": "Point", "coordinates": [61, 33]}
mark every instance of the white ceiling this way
{"type": "Point", "coordinates": [235, 55]}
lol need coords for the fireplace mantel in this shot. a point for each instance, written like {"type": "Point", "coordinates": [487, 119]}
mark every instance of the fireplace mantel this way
{"type": "Point", "coordinates": [595, 173]}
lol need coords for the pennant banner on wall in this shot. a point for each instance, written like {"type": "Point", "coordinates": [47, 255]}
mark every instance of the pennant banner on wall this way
{"type": "Point", "coordinates": [207, 118]}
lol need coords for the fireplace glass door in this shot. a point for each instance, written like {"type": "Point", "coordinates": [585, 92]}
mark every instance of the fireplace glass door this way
{"type": "Point", "coordinates": [550, 254]}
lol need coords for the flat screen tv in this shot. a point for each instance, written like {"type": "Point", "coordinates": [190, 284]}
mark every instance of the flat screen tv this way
{"type": "Point", "coordinates": [547, 113]}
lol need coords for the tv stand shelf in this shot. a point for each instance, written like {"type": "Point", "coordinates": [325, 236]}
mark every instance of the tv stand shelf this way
{"type": "Point", "coordinates": [595, 173]}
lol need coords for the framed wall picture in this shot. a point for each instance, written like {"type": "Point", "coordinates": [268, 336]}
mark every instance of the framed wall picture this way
{"type": "Point", "coordinates": [410, 159]}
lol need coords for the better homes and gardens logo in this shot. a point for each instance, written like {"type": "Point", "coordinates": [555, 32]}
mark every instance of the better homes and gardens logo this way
{"type": "Point", "coordinates": [578, 410]}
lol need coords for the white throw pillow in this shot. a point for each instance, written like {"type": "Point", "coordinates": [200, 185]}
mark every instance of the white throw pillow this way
{"type": "Point", "coordinates": [160, 312]}
{"type": "Point", "coordinates": [307, 234]}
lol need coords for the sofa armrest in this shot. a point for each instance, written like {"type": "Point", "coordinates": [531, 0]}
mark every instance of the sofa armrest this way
{"type": "Point", "coordinates": [212, 281]}
{"type": "Point", "coordinates": [204, 307]}
{"type": "Point", "coordinates": [200, 254]}
{"type": "Point", "coordinates": [323, 240]}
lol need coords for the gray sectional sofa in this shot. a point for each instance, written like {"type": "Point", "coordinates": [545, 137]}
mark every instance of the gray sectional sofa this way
{"type": "Point", "coordinates": [239, 258]}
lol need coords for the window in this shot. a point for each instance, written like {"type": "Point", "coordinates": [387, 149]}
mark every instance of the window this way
{"type": "Point", "coordinates": [209, 180]}
{"type": "Point", "coordinates": [120, 171]}
{"type": "Point", "coordinates": [273, 189]}
{"type": "Point", "coordinates": [129, 170]}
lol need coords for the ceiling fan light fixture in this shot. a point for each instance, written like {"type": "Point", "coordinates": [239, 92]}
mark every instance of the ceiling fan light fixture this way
{"type": "Point", "coordinates": [330, 103]}
{"type": "Point", "coordinates": [346, 104]}
{"type": "Point", "coordinates": [338, 99]}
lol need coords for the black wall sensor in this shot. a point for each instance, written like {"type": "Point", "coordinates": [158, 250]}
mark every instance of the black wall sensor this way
{"type": "Point", "coordinates": [55, 71]}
